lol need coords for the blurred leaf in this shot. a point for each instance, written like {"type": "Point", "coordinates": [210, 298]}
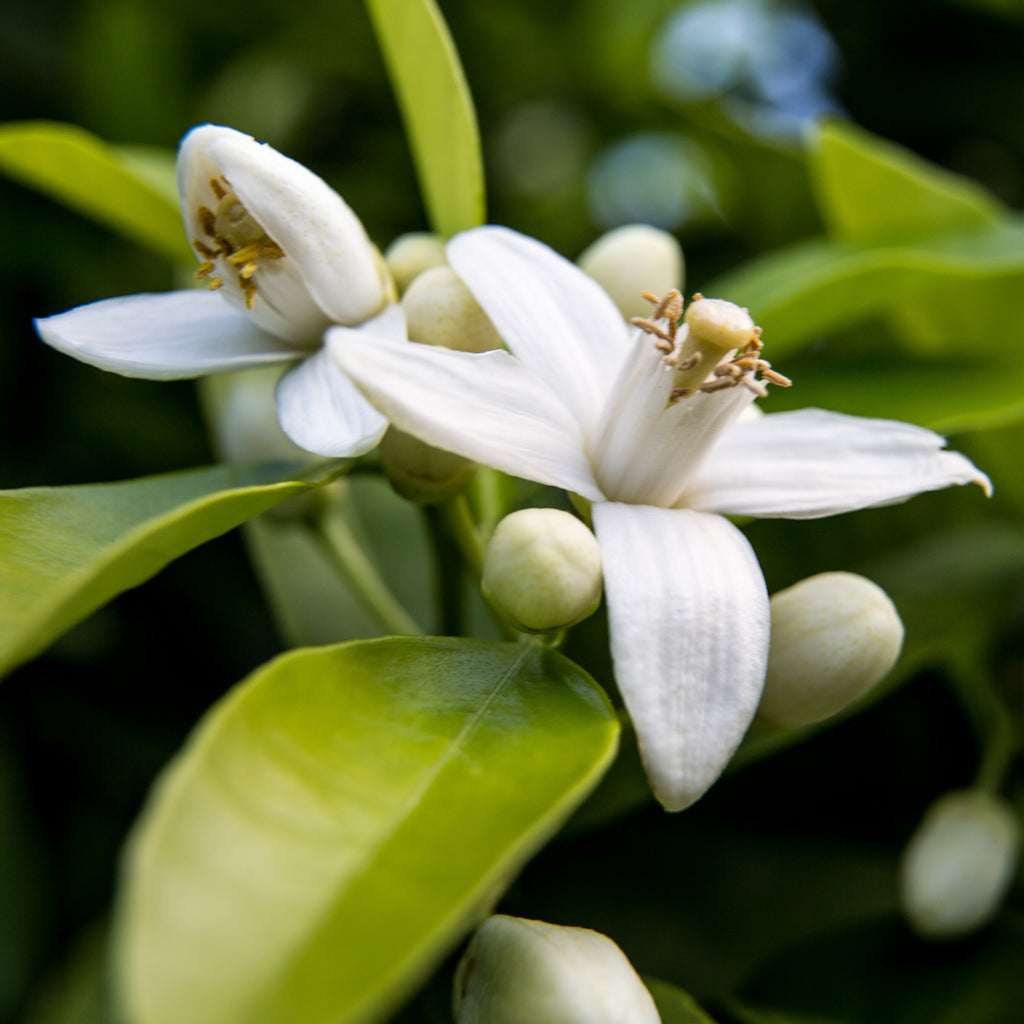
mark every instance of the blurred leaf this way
{"type": "Point", "coordinates": [879, 974]}
{"type": "Point", "coordinates": [948, 396]}
{"type": "Point", "coordinates": [341, 819]}
{"type": "Point", "coordinates": [674, 1005]}
{"type": "Point", "coordinates": [437, 109]}
{"type": "Point", "coordinates": [872, 191]}
{"type": "Point", "coordinates": [743, 1014]}
{"type": "Point", "coordinates": [76, 992]}
{"type": "Point", "coordinates": [66, 551]}
{"type": "Point", "coordinates": [803, 292]}
{"type": "Point", "coordinates": [312, 602]}
{"type": "Point", "coordinates": [76, 168]}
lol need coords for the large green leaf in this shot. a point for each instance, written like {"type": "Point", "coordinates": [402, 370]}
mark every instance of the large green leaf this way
{"type": "Point", "coordinates": [437, 109]}
{"type": "Point", "coordinates": [803, 292]}
{"type": "Point", "coordinates": [341, 819]}
{"type": "Point", "coordinates": [871, 190]}
{"type": "Point", "coordinates": [65, 551]}
{"type": "Point", "coordinates": [121, 189]}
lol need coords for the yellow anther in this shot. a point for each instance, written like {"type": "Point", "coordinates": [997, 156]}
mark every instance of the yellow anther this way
{"type": "Point", "coordinates": [215, 283]}
{"type": "Point", "coordinates": [205, 270]}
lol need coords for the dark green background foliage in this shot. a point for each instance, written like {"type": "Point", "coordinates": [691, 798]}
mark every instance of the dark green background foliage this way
{"type": "Point", "coordinates": [779, 888]}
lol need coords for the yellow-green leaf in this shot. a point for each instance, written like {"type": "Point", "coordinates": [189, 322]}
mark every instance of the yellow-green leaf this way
{"type": "Point", "coordinates": [341, 819]}
{"type": "Point", "coordinates": [437, 108]}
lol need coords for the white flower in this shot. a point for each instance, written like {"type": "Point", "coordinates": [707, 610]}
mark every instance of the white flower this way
{"type": "Point", "coordinates": [586, 404]}
{"type": "Point", "coordinates": [284, 258]}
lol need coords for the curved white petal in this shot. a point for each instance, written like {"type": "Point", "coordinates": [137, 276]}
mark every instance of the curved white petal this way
{"type": "Point", "coordinates": [688, 614]}
{"type": "Point", "coordinates": [485, 406]}
{"type": "Point", "coordinates": [811, 463]}
{"type": "Point", "coordinates": [322, 411]}
{"type": "Point", "coordinates": [163, 337]}
{"type": "Point", "coordinates": [552, 316]}
{"type": "Point", "coordinates": [314, 226]}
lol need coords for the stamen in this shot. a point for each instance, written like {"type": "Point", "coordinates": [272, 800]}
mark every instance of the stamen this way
{"type": "Point", "coordinates": [248, 270]}
{"type": "Point", "coordinates": [215, 283]}
{"type": "Point", "coordinates": [218, 190]}
{"type": "Point", "coordinates": [204, 250]}
{"type": "Point", "coordinates": [652, 328]}
{"type": "Point", "coordinates": [207, 221]}
{"type": "Point", "coordinates": [205, 270]}
{"type": "Point", "coordinates": [776, 378]}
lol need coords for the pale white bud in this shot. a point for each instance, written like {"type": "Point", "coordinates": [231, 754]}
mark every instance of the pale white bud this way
{"type": "Point", "coordinates": [420, 472]}
{"type": "Point", "coordinates": [528, 972]}
{"type": "Point", "coordinates": [542, 569]}
{"type": "Point", "coordinates": [833, 636]}
{"type": "Point", "coordinates": [631, 260]}
{"type": "Point", "coordinates": [440, 310]}
{"type": "Point", "coordinates": [244, 417]}
{"type": "Point", "coordinates": [959, 864]}
{"type": "Point", "coordinates": [409, 255]}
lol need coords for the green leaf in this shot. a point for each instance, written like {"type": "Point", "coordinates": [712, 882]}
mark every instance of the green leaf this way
{"type": "Point", "coordinates": [115, 187]}
{"type": "Point", "coordinates": [341, 819]}
{"type": "Point", "coordinates": [66, 551]}
{"type": "Point", "coordinates": [803, 292]}
{"type": "Point", "coordinates": [437, 109]}
{"type": "Point", "coordinates": [75, 991]}
{"type": "Point", "coordinates": [946, 396]}
{"type": "Point", "coordinates": [871, 190]}
{"type": "Point", "coordinates": [674, 1005]}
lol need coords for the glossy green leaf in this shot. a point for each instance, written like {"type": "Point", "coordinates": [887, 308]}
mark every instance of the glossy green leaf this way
{"type": "Point", "coordinates": [802, 293]}
{"type": "Point", "coordinates": [341, 819]}
{"type": "Point", "coordinates": [870, 190]}
{"type": "Point", "coordinates": [437, 109]}
{"type": "Point", "coordinates": [66, 551]}
{"type": "Point", "coordinates": [76, 168]}
{"type": "Point", "coordinates": [674, 1005]}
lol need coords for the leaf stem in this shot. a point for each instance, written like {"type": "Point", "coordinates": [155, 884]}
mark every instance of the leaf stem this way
{"type": "Point", "coordinates": [349, 558]}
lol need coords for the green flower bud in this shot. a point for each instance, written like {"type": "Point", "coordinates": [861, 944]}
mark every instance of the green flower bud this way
{"type": "Point", "coordinates": [959, 864]}
{"type": "Point", "coordinates": [440, 310]}
{"type": "Point", "coordinates": [631, 260]}
{"type": "Point", "coordinates": [542, 569]}
{"type": "Point", "coordinates": [528, 972]}
{"type": "Point", "coordinates": [420, 472]}
{"type": "Point", "coordinates": [833, 636]}
{"type": "Point", "coordinates": [409, 255]}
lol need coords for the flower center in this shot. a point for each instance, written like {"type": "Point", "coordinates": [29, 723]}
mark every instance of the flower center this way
{"type": "Point", "coordinates": [720, 349]}
{"type": "Point", "coordinates": [237, 243]}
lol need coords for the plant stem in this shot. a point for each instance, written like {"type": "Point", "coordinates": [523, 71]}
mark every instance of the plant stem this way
{"type": "Point", "coordinates": [349, 558]}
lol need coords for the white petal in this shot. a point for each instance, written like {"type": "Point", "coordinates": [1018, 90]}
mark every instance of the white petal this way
{"type": "Point", "coordinates": [554, 317]}
{"type": "Point", "coordinates": [645, 449]}
{"type": "Point", "coordinates": [485, 406]}
{"type": "Point", "coordinates": [810, 463]}
{"type": "Point", "coordinates": [688, 614]}
{"type": "Point", "coordinates": [163, 337]}
{"type": "Point", "coordinates": [321, 410]}
{"type": "Point", "coordinates": [314, 226]}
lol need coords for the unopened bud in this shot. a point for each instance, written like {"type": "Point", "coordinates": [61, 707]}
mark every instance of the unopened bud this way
{"type": "Point", "coordinates": [719, 323]}
{"type": "Point", "coordinates": [527, 972]}
{"type": "Point", "coordinates": [959, 864]}
{"type": "Point", "coordinates": [440, 310]}
{"type": "Point", "coordinates": [833, 636]}
{"type": "Point", "coordinates": [542, 569]}
{"type": "Point", "coordinates": [420, 472]}
{"type": "Point", "coordinates": [409, 255]}
{"type": "Point", "coordinates": [631, 260]}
